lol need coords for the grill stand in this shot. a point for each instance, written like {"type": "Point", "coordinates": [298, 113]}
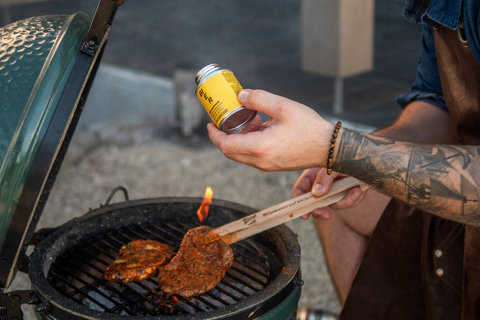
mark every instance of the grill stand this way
{"type": "Point", "coordinates": [12, 304]}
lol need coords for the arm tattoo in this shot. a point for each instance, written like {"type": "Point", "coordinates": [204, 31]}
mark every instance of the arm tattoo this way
{"type": "Point", "coordinates": [441, 179]}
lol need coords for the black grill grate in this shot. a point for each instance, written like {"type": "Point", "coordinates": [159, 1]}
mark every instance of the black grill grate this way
{"type": "Point", "coordinates": [78, 274]}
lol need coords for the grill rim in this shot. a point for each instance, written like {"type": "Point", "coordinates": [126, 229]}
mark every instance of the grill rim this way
{"type": "Point", "coordinates": [61, 306]}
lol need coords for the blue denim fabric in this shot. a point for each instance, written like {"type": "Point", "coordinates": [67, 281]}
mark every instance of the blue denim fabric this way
{"type": "Point", "coordinates": [471, 18]}
{"type": "Point", "coordinates": [427, 84]}
{"type": "Point", "coordinates": [434, 14]}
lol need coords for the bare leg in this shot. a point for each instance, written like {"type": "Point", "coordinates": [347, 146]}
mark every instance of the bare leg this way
{"type": "Point", "coordinates": [345, 236]}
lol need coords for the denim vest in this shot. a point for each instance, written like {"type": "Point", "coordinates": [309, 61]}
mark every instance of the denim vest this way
{"type": "Point", "coordinates": [434, 14]}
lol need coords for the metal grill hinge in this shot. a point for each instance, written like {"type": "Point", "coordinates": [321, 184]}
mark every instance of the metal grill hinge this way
{"type": "Point", "coordinates": [90, 48]}
{"type": "Point", "coordinates": [11, 304]}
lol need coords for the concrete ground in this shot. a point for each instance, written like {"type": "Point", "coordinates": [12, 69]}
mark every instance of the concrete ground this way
{"type": "Point", "coordinates": [259, 41]}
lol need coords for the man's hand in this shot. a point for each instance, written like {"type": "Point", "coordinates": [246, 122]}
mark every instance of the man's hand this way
{"type": "Point", "coordinates": [295, 137]}
{"type": "Point", "coordinates": [319, 182]}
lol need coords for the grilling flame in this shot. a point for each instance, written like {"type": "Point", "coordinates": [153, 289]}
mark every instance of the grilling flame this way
{"type": "Point", "coordinates": [202, 212]}
{"type": "Point", "coordinates": [174, 299]}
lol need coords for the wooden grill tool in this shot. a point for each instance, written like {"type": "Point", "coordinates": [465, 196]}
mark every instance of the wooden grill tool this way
{"type": "Point", "coordinates": [278, 214]}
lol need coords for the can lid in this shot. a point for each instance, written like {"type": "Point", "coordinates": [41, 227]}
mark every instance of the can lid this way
{"type": "Point", "coordinates": [205, 71]}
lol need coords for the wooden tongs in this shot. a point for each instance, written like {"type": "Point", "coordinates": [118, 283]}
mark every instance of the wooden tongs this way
{"type": "Point", "coordinates": [278, 214]}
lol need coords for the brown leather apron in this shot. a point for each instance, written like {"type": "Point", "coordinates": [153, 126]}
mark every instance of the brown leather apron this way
{"type": "Point", "coordinates": [417, 265]}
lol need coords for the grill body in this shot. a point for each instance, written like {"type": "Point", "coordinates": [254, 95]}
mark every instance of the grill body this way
{"type": "Point", "coordinates": [67, 266]}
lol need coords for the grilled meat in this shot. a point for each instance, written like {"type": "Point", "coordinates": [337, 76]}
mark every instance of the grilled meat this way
{"type": "Point", "coordinates": [195, 270]}
{"type": "Point", "coordinates": [138, 260]}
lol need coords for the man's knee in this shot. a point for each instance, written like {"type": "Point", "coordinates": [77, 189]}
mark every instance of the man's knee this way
{"type": "Point", "coordinates": [361, 219]}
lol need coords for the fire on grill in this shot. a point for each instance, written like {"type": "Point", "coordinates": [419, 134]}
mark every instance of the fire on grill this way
{"type": "Point", "coordinates": [192, 271]}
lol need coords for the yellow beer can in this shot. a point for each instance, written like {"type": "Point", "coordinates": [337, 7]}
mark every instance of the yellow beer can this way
{"type": "Point", "coordinates": [217, 89]}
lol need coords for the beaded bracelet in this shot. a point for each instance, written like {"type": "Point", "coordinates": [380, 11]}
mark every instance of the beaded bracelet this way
{"type": "Point", "coordinates": [332, 147]}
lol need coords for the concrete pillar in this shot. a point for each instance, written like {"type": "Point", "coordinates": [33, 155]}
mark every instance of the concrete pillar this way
{"type": "Point", "coordinates": [337, 37]}
{"type": "Point", "coordinates": [189, 112]}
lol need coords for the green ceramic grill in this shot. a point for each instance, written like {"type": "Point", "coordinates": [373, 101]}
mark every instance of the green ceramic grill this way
{"type": "Point", "coordinates": [47, 66]}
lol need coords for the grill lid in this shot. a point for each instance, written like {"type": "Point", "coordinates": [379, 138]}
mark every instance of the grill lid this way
{"type": "Point", "coordinates": [47, 65]}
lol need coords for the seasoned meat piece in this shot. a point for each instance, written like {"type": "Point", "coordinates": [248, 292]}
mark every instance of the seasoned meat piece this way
{"type": "Point", "coordinates": [195, 270]}
{"type": "Point", "coordinates": [138, 260]}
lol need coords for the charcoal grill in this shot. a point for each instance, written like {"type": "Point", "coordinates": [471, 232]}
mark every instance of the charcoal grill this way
{"type": "Point", "coordinates": [47, 65]}
{"type": "Point", "coordinates": [263, 279]}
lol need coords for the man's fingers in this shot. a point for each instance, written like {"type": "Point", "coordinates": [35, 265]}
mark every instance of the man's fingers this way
{"type": "Point", "coordinates": [236, 148]}
{"type": "Point", "coordinates": [362, 197]}
{"type": "Point", "coordinates": [255, 125]}
{"type": "Point", "coordinates": [234, 144]}
{"type": "Point", "coordinates": [354, 197]}
{"type": "Point", "coordinates": [321, 214]}
{"type": "Point", "coordinates": [266, 102]}
{"type": "Point", "coordinates": [304, 182]}
{"type": "Point", "coordinates": [318, 214]}
{"type": "Point", "coordinates": [323, 182]}
{"type": "Point", "coordinates": [221, 140]}
{"type": "Point", "coordinates": [215, 135]}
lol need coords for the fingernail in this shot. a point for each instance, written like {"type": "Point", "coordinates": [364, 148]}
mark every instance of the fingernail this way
{"type": "Point", "coordinates": [317, 189]}
{"type": "Point", "coordinates": [242, 95]}
{"type": "Point", "coordinates": [321, 214]}
{"type": "Point", "coordinates": [355, 196]}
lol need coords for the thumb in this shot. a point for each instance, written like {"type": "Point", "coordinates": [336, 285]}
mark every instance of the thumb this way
{"type": "Point", "coordinates": [265, 102]}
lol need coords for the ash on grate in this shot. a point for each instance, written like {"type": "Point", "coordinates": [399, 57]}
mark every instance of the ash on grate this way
{"type": "Point", "coordinates": [131, 299]}
{"type": "Point", "coordinates": [96, 299]}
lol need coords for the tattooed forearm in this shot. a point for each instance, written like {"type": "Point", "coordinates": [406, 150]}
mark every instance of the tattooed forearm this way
{"type": "Point", "coordinates": [441, 179]}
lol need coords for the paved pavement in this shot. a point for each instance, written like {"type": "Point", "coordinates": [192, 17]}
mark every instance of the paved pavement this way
{"type": "Point", "coordinates": [259, 40]}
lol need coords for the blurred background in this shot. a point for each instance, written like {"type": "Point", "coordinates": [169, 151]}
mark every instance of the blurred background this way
{"type": "Point", "coordinates": [261, 42]}
{"type": "Point", "coordinates": [143, 128]}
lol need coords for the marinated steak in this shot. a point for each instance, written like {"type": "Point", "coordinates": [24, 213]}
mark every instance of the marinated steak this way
{"type": "Point", "coordinates": [195, 270]}
{"type": "Point", "coordinates": [138, 260]}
